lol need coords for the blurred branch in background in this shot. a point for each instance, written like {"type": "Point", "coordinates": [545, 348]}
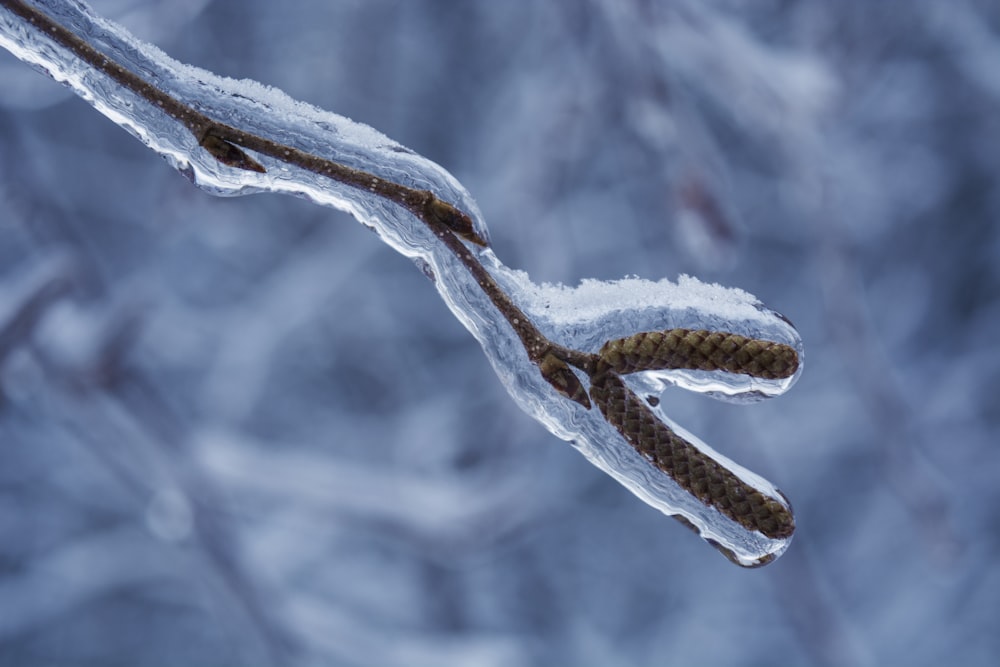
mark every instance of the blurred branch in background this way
{"type": "Point", "coordinates": [849, 148]}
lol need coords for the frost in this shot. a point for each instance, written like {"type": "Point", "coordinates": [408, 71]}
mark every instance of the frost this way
{"type": "Point", "coordinates": [580, 318]}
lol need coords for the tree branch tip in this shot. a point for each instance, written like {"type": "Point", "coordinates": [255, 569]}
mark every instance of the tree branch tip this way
{"type": "Point", "coordinates": [621, 407]}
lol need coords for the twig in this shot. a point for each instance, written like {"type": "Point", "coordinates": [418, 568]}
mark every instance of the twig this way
{"type": "Point", "coordinates": [693, 470]}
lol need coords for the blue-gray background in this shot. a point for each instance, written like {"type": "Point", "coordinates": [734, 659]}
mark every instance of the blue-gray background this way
{"type": "Point", "coordinates": [243, 431]}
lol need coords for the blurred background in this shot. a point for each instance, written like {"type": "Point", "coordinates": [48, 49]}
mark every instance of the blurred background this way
{"type": "Point", "coordinates": [197, 466]}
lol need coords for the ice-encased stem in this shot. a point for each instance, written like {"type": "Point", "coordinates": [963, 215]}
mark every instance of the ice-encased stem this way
{"type": "Point", "coordinates": [238, 137]}
{"type": "Point", "coordinates": [224, 141]}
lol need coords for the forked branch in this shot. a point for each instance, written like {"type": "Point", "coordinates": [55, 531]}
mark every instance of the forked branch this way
{"type": "Point", "coordinates": [564, 368]}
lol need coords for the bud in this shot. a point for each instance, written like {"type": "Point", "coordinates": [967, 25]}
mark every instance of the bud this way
{"type": "Point", "coordinates": [558, 374]}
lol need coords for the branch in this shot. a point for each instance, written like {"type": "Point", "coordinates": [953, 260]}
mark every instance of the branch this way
{"type": "Point", "coordinates": [237, 137]}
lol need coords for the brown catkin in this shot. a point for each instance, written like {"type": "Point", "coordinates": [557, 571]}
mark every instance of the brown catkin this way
{"type": "Point", "coordinates": [694, 471]}
{"type": "Point", "coordinates": [698, 349]}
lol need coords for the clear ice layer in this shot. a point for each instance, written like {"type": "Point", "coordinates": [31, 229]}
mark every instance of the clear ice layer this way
{"type": "Point", "coordinates": [583, 317]}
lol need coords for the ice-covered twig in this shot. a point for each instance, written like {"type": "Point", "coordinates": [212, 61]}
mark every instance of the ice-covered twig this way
{"type": "Point", "coordinates": [559, 351]}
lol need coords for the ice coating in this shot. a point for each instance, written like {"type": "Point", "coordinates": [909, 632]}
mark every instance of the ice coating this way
{"type": "Point", "coordinates": [580, 318]}
{"type": "Point", "coordinates": [585, 316]}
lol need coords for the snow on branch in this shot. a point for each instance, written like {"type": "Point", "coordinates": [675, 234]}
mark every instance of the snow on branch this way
{"type": "Point", "coordinates": [587, 362]}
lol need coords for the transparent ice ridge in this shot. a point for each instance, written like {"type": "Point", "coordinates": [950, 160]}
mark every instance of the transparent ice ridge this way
{"type": "Point", "coordinates": [581, 317]}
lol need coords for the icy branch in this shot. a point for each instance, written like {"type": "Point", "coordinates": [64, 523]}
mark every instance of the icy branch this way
{"type": "Point", "coordinates": [588, 362]}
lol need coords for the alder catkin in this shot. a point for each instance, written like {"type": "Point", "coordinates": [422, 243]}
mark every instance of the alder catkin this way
{"type": "Point", "coordinates": [698, 349]}
{"type": "Point", "coordinates": [697, 473]}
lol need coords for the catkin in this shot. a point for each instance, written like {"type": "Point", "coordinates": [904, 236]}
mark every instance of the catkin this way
{"type": "Point", "coordinates": [694, 471]}
{"type": "Point", "coordinates": [698, 349]}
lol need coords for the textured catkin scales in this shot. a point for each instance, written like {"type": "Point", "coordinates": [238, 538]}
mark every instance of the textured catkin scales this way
{"type": "Point", "coordinates": [699, 349]}
{"type": "Point", "coordinates": [695, 472]}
